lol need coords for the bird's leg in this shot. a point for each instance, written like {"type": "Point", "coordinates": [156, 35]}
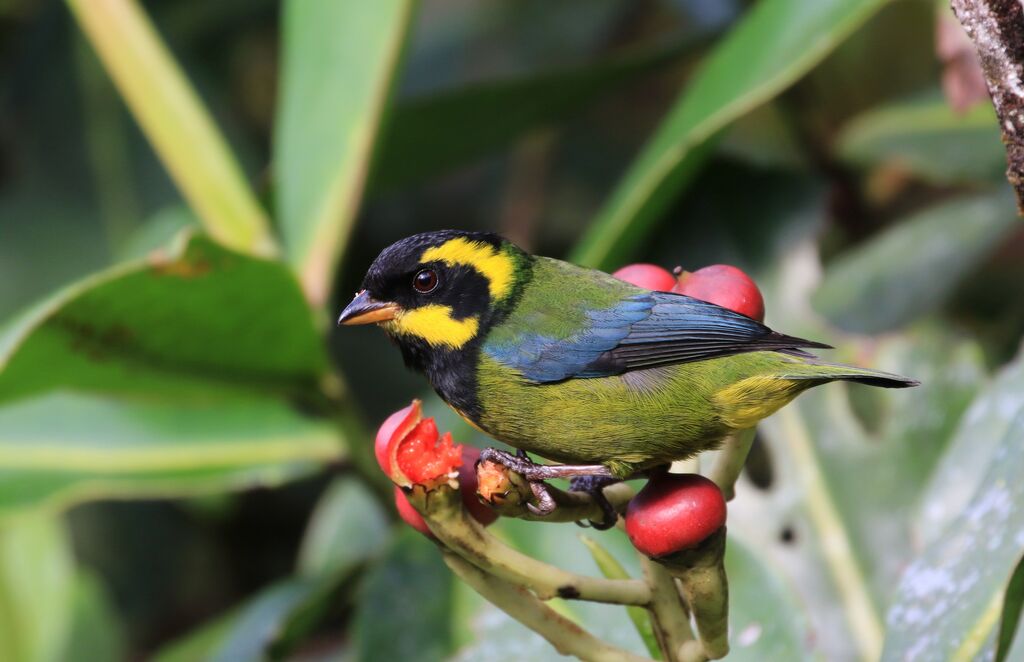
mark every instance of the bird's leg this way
{"type": "Point", "coordinates": [532, 471]}
{"type": "Point", "coordinates": [594, 486]}
{"type": "Point", "coordinates": [536, 474]}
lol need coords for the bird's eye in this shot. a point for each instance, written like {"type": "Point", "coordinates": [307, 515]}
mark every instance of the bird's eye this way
{"type": "Point", "coordinates": [425, 281]}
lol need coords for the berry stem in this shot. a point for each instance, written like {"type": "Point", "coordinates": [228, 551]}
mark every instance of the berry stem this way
{"type": "Point", "coordinates": [444, 513]}
{"type": "Point", "coordinates": [567, 637]}
{"type": "Point", "coordinates": [731, 458]}
{"type": "Point", "coordinates": [703, 584]}
{"type": "Point", "coordinates": [671, 622]}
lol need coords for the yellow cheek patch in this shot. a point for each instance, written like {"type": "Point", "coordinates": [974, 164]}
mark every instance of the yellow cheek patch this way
{"type": "Point", "coordinates": [435, 325]}
{"type": "Point", "coordinates": [494, 265]}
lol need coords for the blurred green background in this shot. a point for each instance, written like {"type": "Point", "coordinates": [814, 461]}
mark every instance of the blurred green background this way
{"type": "Point", "coordinates": [183, 469]}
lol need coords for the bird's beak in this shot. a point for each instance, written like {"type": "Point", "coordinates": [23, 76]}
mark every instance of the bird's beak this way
{"type": "Point", "coordinates": [364, 309]}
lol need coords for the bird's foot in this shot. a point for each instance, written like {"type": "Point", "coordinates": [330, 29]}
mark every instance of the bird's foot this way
{"type": "Point", "coordinates": [594, 486]}
{"type": "Point", "coordinates": [536, 474]}
{"type": "Point", "coordinates": [532, 471]}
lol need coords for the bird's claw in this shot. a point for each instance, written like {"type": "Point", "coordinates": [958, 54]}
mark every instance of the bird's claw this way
{"type": "Point", "coordinates": [591, 479]}
{"type": "Point", "coordinates": [545, 502]}
{"type": "Point", "coordinates": [594, 486]}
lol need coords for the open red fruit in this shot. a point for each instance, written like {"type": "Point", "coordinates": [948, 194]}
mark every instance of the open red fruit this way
{"type": "Point", "coordinates": [674, 512]}
{"type": "Point", "coordinates": [724, 285]}
{"type": "Point", "coordinates": [647, 276]}
{"type": "Point", "coordinates": [406, 419]}
{"type": "Point", "coordinates": [467, 486]}
{"type": "Point", "coordinates": [410, 451]}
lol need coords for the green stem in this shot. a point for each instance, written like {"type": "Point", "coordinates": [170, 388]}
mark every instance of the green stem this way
{"type": "Point", "coordinates": [175, 121]}
{"type": "Point", "coordinates": [443, 511]}
{"type": "Point", "coordinates": [670, 619]}
{"type": "Point", "coordinates": [702, 581]}
{"type": "Point", "coordinates": [567, 637]}
{"type": "Point", "coordinates": [731, 459]}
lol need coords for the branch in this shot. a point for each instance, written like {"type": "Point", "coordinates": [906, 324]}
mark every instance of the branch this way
{"type": "Point", "coordinates": [702, 581]}
{"type": "Point", "coordinates": [567, 637]}
{"type": "Point", "coordinates": [997, 29]}
{"type": "Point", "coordinates": [671, 622]}
{"type": "Point", "coordinates": [443, 511]}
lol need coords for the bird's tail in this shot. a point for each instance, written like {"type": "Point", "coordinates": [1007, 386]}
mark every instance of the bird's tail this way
{"type": "Point", "coordinates": [827, 372]}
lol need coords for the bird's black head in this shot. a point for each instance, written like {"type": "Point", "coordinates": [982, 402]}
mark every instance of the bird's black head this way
{"type": "Point", "coordinates": [437, 293]}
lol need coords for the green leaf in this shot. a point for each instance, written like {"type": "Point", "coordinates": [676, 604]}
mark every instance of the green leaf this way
{"type": "Point", "coordinates": [338, 63]}
{"type": "Point", "coordinates": [263, 620]}
{"type": "Point", "coordinates": [36, 589]}
{"type": "Point", "coordinates": [766, 619]}
{"type": "Point", "coordinates": [928, 139]}
{"type": "Point", "coordinates": [347, 527]}
{"type": "Point", "coordinates": [960, 472]}
{"type": "Point", "coordinates": [164, 377]}
{"type": "Point", "coordinates": [95, 631]}
{"type": "Point", "coordinates": [776, 43]}
{"type": "Point", "coordinates": [838, 515]}
{"type": "Point", "coordinates": [405, 605]}
{"type": "Point", "coordinates": [444, 130]}
{"type": "Point", "coordinates": [1013, 606]}
{"type": "Point", "coordinates": [173, 118]}
{"type": "Point", "coordinates": [612, 569]}
{"type": "Point", "coordinates": [61, 448]}
{"type": "Point", "coordinates": [912, 267]}
{"type": "Point", "coordinates": [197, 320]}
{"type": "Point", "coordinates": [949, 600]}
{"type": "Point", "coordinates": [266, 626]}
{"type": "Point", "coordinates": [202, 643]}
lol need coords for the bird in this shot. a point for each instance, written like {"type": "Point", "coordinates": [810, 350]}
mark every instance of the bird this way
{"type": "Point", "coordinates": [606, 379]}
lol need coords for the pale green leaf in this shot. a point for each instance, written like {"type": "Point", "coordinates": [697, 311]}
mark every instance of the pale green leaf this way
{"type": "Point", "coordinates": [960, 472]}
{"type": "Point", "coordinates": [776, 43]}
{"type": "Point", "coordinates": [347, 527]}
{"type": "Point", "coordinates": [36, 589]}
{"type": "Point", "coordinates": [96, 633]}
{"type": "Point", "coordinates": [949, 600]}
{"type": "Point", "coordinates": [913, 266]}
{"type": "Point", "coordinates": [928, 139]}
{"type": "Point", "coordinates": [338, 63]}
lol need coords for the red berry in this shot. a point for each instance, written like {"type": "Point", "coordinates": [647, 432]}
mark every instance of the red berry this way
{"type": "Point", "coordinates": [726, 286]}
{"type": "Point", "coordinates": [404, 418]}
{"type": "Point", "coordinates": [467, 483]}
{"type": "Point", "coordinates": [409, 514]}
{"type": "Point", "coordinates": [674, 512]}
{"type": "Point", "coordinates": [647, 276]}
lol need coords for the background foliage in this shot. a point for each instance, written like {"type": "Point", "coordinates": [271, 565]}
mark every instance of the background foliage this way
{"type": "Point", "coordinates": [184, 437]}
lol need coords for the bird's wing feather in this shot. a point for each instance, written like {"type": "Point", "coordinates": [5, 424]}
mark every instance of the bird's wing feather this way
{"type": "Point", "coordinates": [641, 329]}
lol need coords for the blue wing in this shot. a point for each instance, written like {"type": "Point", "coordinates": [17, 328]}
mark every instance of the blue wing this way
{"type": "Point", "coordinates": [644, 330]}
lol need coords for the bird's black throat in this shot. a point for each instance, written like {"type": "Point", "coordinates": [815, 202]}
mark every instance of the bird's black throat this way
{"type": "Point", "coordinates": [451, 372]}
